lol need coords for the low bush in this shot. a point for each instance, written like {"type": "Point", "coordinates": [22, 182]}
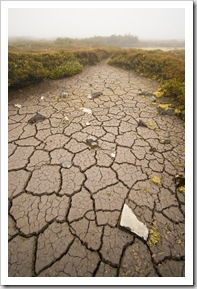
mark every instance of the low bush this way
{"type": "Point", "coordinates": [27, 68]}
{"type": "Point", "coordinates": [23, 70]}
{"type": "Point", "coordinates": [67, 68]}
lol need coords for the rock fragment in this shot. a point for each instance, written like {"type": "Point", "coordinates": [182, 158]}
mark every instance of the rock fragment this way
{"type": "Point", "coordinates": [129, 221]}
{"type": "Point", "coordinates": [145, 93]}
{"type": "Point", "coordinates": [94, 94]}
{"type": "Point", "coordinates": [92, 143]}
{"type": "Point", "coordinates": [165, 141]}
{"type": "Point", "coordinates": [86, 110]}
{"type": "Point", "coordinates": [66, 164]}
{"type": "Point", "coordinates": [36, 118]}
{"type": "Point", "coordinates": [63, 94]}
{"type": "Point", "coordinates": [165, 109]}
{"type": "Point", "coordinates": [142, 123]}
{"type": "Point", "coordinates": [165, 112]}
{"type": "Point", "coordinates": [148, 94]}
{"type": "Point", "coordinates": [18, 105]}
{"type": "Point", "coordinates": [179, 180]}
{"type": "Point", "coordinates": [113, 155]}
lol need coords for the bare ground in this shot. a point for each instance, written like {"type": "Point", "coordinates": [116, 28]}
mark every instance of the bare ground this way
{"type": "Point", "coordinates": [66, 198]}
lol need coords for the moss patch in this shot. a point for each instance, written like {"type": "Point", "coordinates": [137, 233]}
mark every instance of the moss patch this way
{"type": "Point", "coordinates": [181, 189]}
{"type": "Point", "coordinates": [158, 93]}
{"type": "Point", "coordinates": [146, 190]}
{"type": "Point", "coordinates": [156, 180]}
{"type": "Point", "coordinates": [109, 194]}
{"type": "Point", "coordinates": [153, 238]}
{"type": "Point", "coordinates": [165, 106]}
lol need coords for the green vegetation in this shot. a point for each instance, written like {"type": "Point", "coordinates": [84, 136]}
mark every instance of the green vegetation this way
{"type": "Point", "coordinates": [181, 189]}
{"type": "Point", "coordinates": [32, 61]}
{"type": "Point", "coordinates": [26, 68]}
{"type": "Point", "coordinates": [153, 237]}
{"type": "Point", "coordinates": [156, 180]}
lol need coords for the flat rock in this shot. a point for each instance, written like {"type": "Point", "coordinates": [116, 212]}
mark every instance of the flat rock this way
{"type": "Point", "coordinates": [179, 180]}
{"type": "Point", "coordinates": [66, 164]}
{"type": "Point", "coordinates": [92, 142]}
{"type": "Point", "coordinates": [36, 118]}
{"type": "Point", "coordinates": [18, 105]}
{"type": "Point", "coordinates": [162, 111]}
{"type": "Point", "coordinates": [86, 110]}
{"type": "Point", "coordinates": [94, 94]}
{"type": "Point", "coordinates": [145, 93]}
{"type": "Point", "coordinates": [165, 141]}
{"type": "Point", "coordinates": [129, 221]}
{"type": "Point", "coordinates": [142, 123]}
{"type": "Point", "coordinates": [63, 94]}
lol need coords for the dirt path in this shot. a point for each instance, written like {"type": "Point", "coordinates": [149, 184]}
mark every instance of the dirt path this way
{"type": "Point", "coordinates": [66, 197]}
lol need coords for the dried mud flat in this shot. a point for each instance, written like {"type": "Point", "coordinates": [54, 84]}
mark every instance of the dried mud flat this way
{"type": "Point", "coordinates": [66, 195]}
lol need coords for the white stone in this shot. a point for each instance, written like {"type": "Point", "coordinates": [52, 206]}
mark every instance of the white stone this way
{"type": "Point", "coordinates": [66, 164]}
{"type": "Point", "coordinates": [129, 220]}
{"type": "Point", "coordinates": [113, 155]}
{"type": "Point", "coordinates": [86, 110]}
{"type": "Point", "coordinates": [66, 118]}
{"type": "Point", "coordinates": [63, 94]}
{"type": "Point", "coordinates": [18, 105]}
{"type": "Point", "coordinates": [42, 98]}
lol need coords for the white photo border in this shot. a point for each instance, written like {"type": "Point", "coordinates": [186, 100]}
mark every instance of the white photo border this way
{"type": "Point", "coordinates": [114, 281]}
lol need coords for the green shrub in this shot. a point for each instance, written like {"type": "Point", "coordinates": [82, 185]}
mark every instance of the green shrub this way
{"type": "Point", "coordinates": [68, 68]}
{"type": "Point", "coordinates": [173, 88]}
{"type": "Point", "coordinates": [24, 71]}
{"type": "Point", "coordinates": [27, 68]}
{"type": "Point", "coordinates": [87, 57]}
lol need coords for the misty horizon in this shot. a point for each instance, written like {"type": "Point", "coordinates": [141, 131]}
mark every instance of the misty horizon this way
{"type": "Point", "coordinates": [80, 23]}
{"type": "Point", "coordinates": [83, 38]}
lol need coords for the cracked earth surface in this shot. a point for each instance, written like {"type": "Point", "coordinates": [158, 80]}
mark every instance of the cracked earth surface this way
{"type": "Point", "coordinates": [64, 219]}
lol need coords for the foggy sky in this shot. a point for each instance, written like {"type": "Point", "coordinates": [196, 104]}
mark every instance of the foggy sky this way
{"type": "Point", "coordinates": [149, 23]}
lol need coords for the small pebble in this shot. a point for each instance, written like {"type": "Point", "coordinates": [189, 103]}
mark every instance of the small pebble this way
{"type": "Point", "coordinates": [142, 123]}
{"type": "Point", "coordinates": [86, 110]}
{"type": "Point", "coordinates": [165, 141]}
{"type": "Point", "coordinates": [66, 164]}
{"type": "Point", "coordinates": [18, 105]}
{"type": "Point", "coordinates": [92, 142]}
{"type": "Point", "coordinates": [63, 94]}
{"type": "Point", "coordinates": [66, 118]}
{"type": "Point", "coordinates": [113, 155]}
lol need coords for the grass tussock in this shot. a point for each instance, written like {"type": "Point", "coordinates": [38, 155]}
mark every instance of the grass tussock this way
{"type": "Point", "coordinates": [26, 68]}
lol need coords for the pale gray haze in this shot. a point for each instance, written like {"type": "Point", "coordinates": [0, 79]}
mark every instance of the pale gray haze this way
{"type": "Point", "coordinates": [147, 24]}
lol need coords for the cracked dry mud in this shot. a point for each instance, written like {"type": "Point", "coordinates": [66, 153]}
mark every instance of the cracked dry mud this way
{"type": "Point", "coordinates": [64, 221]}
